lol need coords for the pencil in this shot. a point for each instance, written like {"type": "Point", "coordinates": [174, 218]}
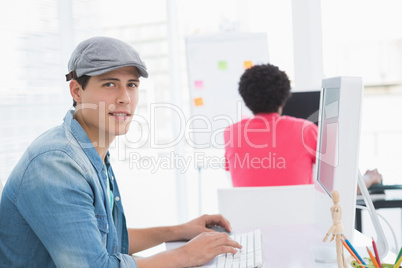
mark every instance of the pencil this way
{"type": "Point", "coordinates": [399, 255]}
{"type": "Point", "coordinates": [376, 253]}
{"type": "Point", "coordinates": [372, 258]}
{"type": "Point", "coordinates": [398, 262]}
{"type": "Point", "coordinates": [353, 249]}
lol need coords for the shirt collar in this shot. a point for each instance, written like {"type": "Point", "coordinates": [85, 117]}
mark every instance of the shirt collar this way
{"type": "Point", "coordinates": [74, 128]}
{"type": "Point", "coordinates": [267, 115]}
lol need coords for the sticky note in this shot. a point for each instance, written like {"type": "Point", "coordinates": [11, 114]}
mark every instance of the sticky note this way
{"type": "Point", "coordinates": [199, 84]}
{"type": "Point", "coordinates": [222, 65]}
{"type": "Point", "coordinates": [198, 102]}
{"type": "Point", "coordinates": [248, 64]}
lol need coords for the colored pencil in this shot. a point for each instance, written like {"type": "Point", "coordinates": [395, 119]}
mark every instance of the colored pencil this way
{"type": "Point", "coordinates": [399, 255]}
{"type": "Point", "coordinates": [372, 258]}
{"type": "Point", "coordinates": [352, 248]}
{"type": "Point", "coordinates": [398, 262]}
{"type": "Point", "coordinates": [376, 253]}
{"type": "Point", "coordinates": [351, 252]}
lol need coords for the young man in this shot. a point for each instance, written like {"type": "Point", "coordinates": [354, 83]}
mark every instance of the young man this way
{"type": "Point", "coordinates": [269, 149]}
{"type": "Point", "coordinates": [61, 205]}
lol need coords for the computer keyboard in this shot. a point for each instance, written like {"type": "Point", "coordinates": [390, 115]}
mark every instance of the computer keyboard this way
{"type": "Point", "coordinates": [250, 256]}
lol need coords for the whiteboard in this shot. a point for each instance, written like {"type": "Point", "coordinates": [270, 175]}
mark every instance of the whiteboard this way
{"type": "Point", "coordinates": [215, 64]}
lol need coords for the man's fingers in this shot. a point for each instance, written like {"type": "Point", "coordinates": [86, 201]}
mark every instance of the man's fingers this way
{"type": "Point", "coordinates": [223, 239]}
{"type": "Point", "coordinates": [218, 219]}
{"type": "Point", "coordinates": [226, 249]}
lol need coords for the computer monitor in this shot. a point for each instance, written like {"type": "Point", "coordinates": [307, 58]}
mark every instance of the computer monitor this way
{"type": "Point", "coordinates": [303, 104]}
{"type": "Point", "coordinates": [338, 155]}
{"type": "Point", "coordinates": [338, 149]}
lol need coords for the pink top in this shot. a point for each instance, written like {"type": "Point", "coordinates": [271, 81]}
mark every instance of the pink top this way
{"type": "Point", "coordinates": [270, 150]}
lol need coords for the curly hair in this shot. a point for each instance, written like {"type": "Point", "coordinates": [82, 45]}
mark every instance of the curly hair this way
{"type": "Point", "coordinates": [264, 88]}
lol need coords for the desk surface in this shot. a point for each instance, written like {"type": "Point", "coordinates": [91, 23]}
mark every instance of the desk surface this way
{"type": "Point", "coordinates": [293, 246]}
{"type": "Point", "coordinates": [388, 195]}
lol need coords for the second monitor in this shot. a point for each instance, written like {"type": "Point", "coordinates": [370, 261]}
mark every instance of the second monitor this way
{"type": "Point", "coordinates": [303, 104]}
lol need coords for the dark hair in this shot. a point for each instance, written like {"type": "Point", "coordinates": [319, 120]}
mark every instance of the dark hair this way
{"type": "Point", "coordinates": [264, 88]}
{"type": "Point", "coordinates": [83, 81]}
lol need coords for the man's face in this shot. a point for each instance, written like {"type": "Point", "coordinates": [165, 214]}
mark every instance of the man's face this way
{"type": "Point", "coordinates": [107, 105]}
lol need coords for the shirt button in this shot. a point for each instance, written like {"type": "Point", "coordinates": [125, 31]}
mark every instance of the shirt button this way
{"type": "Point", "coordinates": [107, 226]}
{"type": "Point", "coordinates": [112, 177]}
{"type": "Point", "coordinates": [117, 198]}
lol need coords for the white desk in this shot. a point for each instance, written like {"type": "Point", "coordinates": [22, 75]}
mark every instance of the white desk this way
{"type": "Point", "coordinates": [291, 237]}
{"type": "Point", "coordinates": [291, 246]}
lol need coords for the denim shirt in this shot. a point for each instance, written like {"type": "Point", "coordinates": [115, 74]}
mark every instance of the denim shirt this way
{"type": "Point", "coordinates": [54, 210]}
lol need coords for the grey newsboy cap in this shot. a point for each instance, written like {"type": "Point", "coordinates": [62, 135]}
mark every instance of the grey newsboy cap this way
{"type": "Point", "coordinates": [99, 55]}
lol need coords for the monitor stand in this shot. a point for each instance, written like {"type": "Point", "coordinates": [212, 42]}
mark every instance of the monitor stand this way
{"type": "Point", "coordinates": [381, 243]}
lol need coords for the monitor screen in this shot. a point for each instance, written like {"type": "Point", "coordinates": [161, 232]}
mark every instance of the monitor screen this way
{"type": "Point", "coordinates": [328, 142]}
{"type": "Point", "coordinates": [338, 149]}
{"type": "Point", "coordinates": [303, 104]}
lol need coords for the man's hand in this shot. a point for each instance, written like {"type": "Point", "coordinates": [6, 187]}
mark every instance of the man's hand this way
{"type": "Point", "coordinates": [196, 252]}
{"type": "Point", "coordinates": [206, 246]}
{"type": "Point", "coordinates": [145, 238]}
{"type": "Point", "coordinates": [199, 225]}
{"type": "Point", "coordinates": [372, 177]}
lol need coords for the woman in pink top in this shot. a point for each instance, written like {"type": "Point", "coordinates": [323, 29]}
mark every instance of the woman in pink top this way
{"type": "Point", "coordinates": [269, 149]}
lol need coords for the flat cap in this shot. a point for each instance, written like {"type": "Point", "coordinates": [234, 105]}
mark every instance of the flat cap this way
{"type": "Point", "coordinates": [99, 55]}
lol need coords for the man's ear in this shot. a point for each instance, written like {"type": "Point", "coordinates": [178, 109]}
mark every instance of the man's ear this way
{"type": "Point", "coordinates": [75, 90]}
